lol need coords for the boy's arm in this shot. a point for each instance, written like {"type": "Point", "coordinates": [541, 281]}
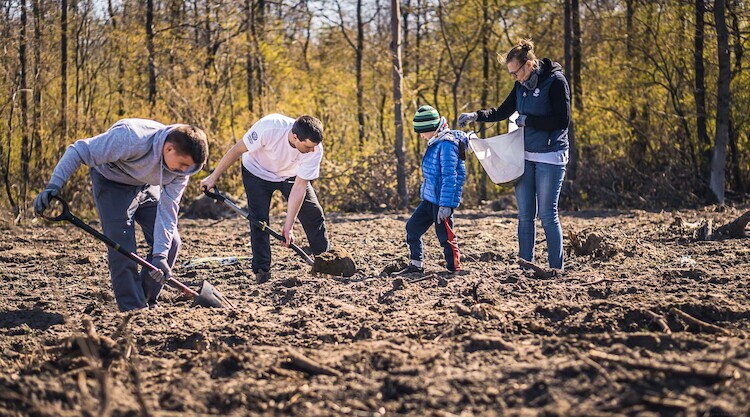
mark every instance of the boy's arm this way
{"type": "Point", "coordinates": [168, 208]}
{"type": "Point", "coordinates": [296, 197]}
{"type": "Point", "coordinates": [229, 158]}
{"type": "Point", "coordinates": [448, 162]}
{"type": "Point", "coordinates": [112, 145]}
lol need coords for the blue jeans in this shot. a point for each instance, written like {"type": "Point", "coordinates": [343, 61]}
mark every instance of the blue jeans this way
{"type": "Point", "coordinates": [539, 190]}
{"type": "Point", "coordinates": [424, 216]}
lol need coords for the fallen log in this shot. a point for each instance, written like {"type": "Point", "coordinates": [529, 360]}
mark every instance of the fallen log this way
{"type": "Point", "coordinates": [735, 229]}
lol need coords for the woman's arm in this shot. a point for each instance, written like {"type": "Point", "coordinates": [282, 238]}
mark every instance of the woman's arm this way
{"type": "Point", "coordinates": [500, 113]}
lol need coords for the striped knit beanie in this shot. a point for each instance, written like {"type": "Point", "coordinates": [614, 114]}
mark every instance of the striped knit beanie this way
{"type": "Point", "coordinates": [427, 119]}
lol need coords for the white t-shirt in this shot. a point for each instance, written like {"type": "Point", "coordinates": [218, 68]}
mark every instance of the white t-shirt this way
{"type": "Point", "coordinates": [269, 155]}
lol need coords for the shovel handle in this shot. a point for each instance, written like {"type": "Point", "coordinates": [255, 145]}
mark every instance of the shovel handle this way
{"type": "Point", "coordinates": [216, 195]}
{"type": "Point", "coordinates": [67, 215]}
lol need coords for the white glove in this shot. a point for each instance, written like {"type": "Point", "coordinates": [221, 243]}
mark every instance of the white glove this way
{"type": "Point", "coordinates": [444, 213]}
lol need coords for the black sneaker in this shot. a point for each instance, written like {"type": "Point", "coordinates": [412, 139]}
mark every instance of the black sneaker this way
{"type": "Point", "coordinates": [411, 269]}
{"type": "Point", "coordinates": [262, 276]}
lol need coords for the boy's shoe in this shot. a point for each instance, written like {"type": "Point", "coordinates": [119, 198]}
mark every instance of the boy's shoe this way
{"type": "Point", "coordinates": [411, 269]}
{"type": "Point", "coordinates": [453, 273]}
{"type": "Point", "coordinates": [262, 276]}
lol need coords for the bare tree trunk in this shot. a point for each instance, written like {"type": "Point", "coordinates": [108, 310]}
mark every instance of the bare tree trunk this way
{"type": "Point", "coordinates": [734, 134]}
{"type": "Point", "coordinates": [150, 48]}
{"type": "Point", "coordinates": [718, 161]}
{"type": "Point", "coordinates": [78, 18]}
{"type": "Point", "coordinates": [417, 41]}
{"type": "Point", "coordinates": [405, 12]}
{"type": "Point", "coordinates": [397, 98]}
{"type": "Point", "coordinates": [6, 168]}
{"type": "Point", "coordinates": [704, 143]}
{"type": "Point", "coordinates": [24, 108]}
{"type": "Point", "coordinates": [249, 56]}
{"type": "Point", "coordinates": [63, 73]}
{"type": "Point", "coordinates": [120, 65]}
{"type": "Point", "coordinates": [36, 118]}
{"type": "Point", "coordinates": [573, 148]}
{"type": "Point", "coordinates": [259, 29]}
{"type": "Point", "coordinates": [577, 87]}
{"type": "Point", "coordinates": [568, 38]}
{"type": "Point", "coordinates": [360, 82]}
{"type": "Point", "coordinates": [482, 195]}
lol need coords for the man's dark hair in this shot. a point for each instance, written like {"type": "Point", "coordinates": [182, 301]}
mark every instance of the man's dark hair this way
{"type": "Point", "coordinates": [308, 128]}
{"type": "Point", "coordinates": [190, 140]}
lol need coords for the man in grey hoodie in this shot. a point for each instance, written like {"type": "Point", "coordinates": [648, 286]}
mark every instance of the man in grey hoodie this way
{"type": "Point", "coordinates": [139, 170]}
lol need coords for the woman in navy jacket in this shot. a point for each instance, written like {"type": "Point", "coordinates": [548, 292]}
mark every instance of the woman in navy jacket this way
{"type": "Point", "coordinates": [541, 96]}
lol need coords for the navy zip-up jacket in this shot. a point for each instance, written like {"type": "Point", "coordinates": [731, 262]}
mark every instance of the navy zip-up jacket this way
{"type": "Point", "coordinates": [547, 110]}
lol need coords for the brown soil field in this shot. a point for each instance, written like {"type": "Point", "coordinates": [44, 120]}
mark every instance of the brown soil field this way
{"type": "Point", "coordinates": [646, 320]}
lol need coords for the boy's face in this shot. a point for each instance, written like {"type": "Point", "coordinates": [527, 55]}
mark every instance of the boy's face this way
{"type": "Point", "coordinates": [427, 135]}
{"type": "Point", "coordinates": [304, 146]}
{"type": "Point", "coordinates": [176, 161]}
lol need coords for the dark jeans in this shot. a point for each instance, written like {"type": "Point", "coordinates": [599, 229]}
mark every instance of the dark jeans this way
{"type": "Point", "coordinates": [119, 205]}
{"type": "Point", "coordinates": [537, 192]}
{"type": "Point", "coordinates": [259, 192]}
{"type": "Point", "coordinates": [424, 216]}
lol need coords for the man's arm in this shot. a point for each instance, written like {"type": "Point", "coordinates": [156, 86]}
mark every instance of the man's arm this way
{"type": "Point", "coordinates": [296, 197]}
{"type": "Point", "coordinates": [227, 160]}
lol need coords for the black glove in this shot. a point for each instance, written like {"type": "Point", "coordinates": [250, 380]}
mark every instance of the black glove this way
{"type": "Point", "coordinates": [163, 273]}
{"type": "Point", "coordinates": [465, 118]}
{"type": "Point", "coordinates": [41, 202]}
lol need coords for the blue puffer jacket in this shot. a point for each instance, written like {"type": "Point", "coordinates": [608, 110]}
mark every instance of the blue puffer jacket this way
{"type": "Point", "coordinates": [443, 171]}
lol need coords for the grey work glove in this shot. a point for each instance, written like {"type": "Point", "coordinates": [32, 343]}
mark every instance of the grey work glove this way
{"type": "Point", "coordinates": [444, 213]}
{"type": "Point", "coordinates": [41, 202]}
{"type": "Point", "coordinates": [466, 118]}
{"type": "Point", "coordinates": [521, 120]}
{"type": "Point", "coordinates": [163, 273]}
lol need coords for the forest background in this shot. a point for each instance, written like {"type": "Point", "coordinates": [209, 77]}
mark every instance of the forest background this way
{"type": "Point", "coordinates": [660, 89]}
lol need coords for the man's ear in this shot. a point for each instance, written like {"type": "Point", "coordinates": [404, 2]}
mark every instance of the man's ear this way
{"type": "Point", "coordinates": [168, 147]}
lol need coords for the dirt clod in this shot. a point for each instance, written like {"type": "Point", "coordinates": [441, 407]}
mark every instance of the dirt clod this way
{"type": "Point", "coordinates": [337, 262]}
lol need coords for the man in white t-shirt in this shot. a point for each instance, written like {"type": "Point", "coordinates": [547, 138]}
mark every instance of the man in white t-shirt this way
{"type": "Point", "coordinates": [279, 153]}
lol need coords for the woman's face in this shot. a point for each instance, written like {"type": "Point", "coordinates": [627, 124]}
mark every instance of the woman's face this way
{"type": "Point", "coordinates": [519, 71]}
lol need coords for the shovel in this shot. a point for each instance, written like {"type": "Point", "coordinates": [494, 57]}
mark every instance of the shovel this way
{"type": "Point", "coordinates": [216, 195]}
{"type": "Point", "coordinates": [208, 295]}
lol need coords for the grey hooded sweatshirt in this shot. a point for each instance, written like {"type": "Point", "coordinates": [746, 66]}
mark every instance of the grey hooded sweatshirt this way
{"type": "Point", "coordinates": [130, 152]}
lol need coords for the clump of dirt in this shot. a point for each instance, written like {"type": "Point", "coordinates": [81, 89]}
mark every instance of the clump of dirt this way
{"type": "Point", "coordinates": [205, 207]}
{"type": "Point", "coordinates": [337, 262]}
{"type": "Point", "coordinates": [595, 242]}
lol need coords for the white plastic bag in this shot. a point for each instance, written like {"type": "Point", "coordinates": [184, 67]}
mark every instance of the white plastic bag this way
{"type": "Point", "coordinates": [501, 156]}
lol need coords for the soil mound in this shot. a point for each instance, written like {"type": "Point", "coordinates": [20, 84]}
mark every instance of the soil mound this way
{"type": "Point", "coordinates": [336, 261]}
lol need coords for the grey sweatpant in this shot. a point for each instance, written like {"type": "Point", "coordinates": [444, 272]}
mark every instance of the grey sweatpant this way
{"type": "Point", "coordinates": [119, 205]}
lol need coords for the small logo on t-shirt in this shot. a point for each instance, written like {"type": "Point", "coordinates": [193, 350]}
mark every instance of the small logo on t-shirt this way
{"type": "Point", "coordinates": [253, 136]}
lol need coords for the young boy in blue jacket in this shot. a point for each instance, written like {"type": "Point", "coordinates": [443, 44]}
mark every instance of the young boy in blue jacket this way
{"type": "Point", "coordinates": [444, 173]}
{"type": "Point", "coordinates": [139, 170]}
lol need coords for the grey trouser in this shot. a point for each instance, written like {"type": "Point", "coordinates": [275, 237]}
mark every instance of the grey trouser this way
{"type": "Point", "coordinates": [259, 192]}
{"type": "Point", "coordinates": [119, 205]}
